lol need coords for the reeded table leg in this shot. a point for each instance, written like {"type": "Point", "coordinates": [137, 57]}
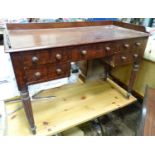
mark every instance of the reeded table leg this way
{"type": "Point", "coordinates": [28, 109]}
{"type": "Point", "coordinates": [133, 74]}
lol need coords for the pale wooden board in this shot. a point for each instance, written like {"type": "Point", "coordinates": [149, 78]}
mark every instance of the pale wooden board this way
{"type": "Point", "coordinates": [74, 104]}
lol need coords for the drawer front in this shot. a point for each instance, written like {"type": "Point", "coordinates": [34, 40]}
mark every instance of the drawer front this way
{"type": "Point", "coordinates": [127, 49]}
{"type": "Point", "coordinates": [40, 57]}
{"type": "Point", "coordinates": [121, 58]}
{"type": "Point", "coordinates": [47, 72]}
{"type": "Point", "coordinates": [87, 52]}
{"type": "Point", "coordinates": [110, 48]}
{"type": "Point", "coordinates": [133, 46]}
{"type": "Point", "coordinates": [139, 46]}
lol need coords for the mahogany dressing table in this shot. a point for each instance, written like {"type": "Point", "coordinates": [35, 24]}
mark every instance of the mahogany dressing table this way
{"type": "Point", "coordinates": [43, 51]}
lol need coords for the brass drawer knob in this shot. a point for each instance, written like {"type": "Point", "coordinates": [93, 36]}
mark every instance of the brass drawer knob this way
{"type": "Point", "coordinates": [126, 45]}
{"type": "Point", "coordinates": [35, 59]}
{"type": "Point", "coordinates": [58, 71]}
{"type": "Point", "coordinates": [123, 58]}
{"type": "Point", "coordinates": [107, 48]}
{"type": "Point", "coordinates": [138, 44]}
{"type": "Point", "coordinates": [58, 56]}
{"type": "Point", "coordinates": [83, 52]}
{"type": "Point", "coordinates": [37, 75]}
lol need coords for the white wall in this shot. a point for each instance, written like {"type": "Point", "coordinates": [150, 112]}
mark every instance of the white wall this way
{"type": "Point", "coordinates": [9, 88]}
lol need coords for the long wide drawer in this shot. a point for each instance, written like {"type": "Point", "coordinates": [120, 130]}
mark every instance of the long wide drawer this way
{"type": "Point", "coordinates": [92, 51]}
{"type": "Point", "coordinates": [47, 72]}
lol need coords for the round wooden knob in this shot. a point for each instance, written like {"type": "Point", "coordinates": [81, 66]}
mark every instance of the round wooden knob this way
{"type": "Point", "coordinates": [107, 48]}
{"type": "Point", "coordinates": [58, 56]}
{"type": "Point", "coordinates": [35, 59]}
{"type": "Point", "coordinates": [84, 52]}
{"type": "Point", "coordinates": [123, 58]}
{"type": "Point", "coordinates": [37, 75]}
{"type": "Point", "coordinates": [138, 44]}
{"type": "Point", "coordinates": [58, 71]}
{"type": "Point", "coordinates": [135, 55]}
{"type": "Point", "coordinates": [126, 45]}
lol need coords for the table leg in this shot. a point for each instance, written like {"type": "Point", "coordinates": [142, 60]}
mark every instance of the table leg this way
{"type": "Point", "coordinates": [133, 75]}
{"type": "Point", "coordinates": [107, 70]}
{"type": "Point", "coordinates": [28, 109]}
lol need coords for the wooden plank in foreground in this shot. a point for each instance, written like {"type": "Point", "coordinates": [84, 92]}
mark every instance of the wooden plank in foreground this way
{"type": "Point", "coordinates": [73, 104]}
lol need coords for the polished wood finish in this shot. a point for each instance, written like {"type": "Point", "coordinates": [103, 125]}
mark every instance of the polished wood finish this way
{"type": "Point", "coordinates": [45, 56]}
{"type": "Point", "coordinates": [28, 109]}
{"type": "Point", "coordinates": [133, 73]}
{"type": "Point", "coordinates": [125, 50]}
{"type": "Point", "coordinates": [25, 26]}
{"type": "Point", "coordinates": [59, 37]}
{"type": "Point", "coordinates": [14, 26]}
{"type": "Point", "coordinates": [43, 73]}
{"type": "Point", "coordinates": [42, 52]}
{"type": "Point", "coordinates": [129, 26]}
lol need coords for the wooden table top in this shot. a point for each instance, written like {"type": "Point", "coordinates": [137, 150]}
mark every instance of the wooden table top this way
{"type": "Point", "coordinates": [30, 39]}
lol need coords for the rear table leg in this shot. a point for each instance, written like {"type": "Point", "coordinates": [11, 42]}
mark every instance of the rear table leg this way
{"type": "Point", "coordinates": [107, 70]}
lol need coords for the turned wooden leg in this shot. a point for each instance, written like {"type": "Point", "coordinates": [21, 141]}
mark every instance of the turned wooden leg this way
{"type": "Point", "coordinates": [133, 74]}
{"type": "Point", "coordinates": [28, 109]}
{"type": "Point", "coordinates": [107, 70]}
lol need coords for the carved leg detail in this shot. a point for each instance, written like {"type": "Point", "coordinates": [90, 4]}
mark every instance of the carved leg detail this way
{"type": "Point", "coordinates": [133, 74]}
{"type": "Point", "coordinates": [28, 109]}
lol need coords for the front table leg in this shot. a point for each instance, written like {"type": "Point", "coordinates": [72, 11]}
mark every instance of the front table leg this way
{"type": "Point", "coordinates": [28, 109]}
{"type": "Point", "coordinates": [133, 74]}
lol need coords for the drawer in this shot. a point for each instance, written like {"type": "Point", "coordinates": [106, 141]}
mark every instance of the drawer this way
{"type": "Point", "coordinates": [92, 51]}
{"type": "Point", "coordinates": [133, 46]}
{"type": "Point", "coordinates": [40, 57]}
{"type": "Point", "coordinates": [126, 51]}
{"type": "Point", "coordinates": [139, 46]}
{"type": "Point", "coordinates": [121, 58]}
{"type": "Point", "coordinates": [110, 48]}
{"type": "Point", "coordinates": [47, 72]}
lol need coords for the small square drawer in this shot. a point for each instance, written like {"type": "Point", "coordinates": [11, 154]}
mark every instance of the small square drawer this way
{"type": "Point", "coordinates": [47, 72]}
{"type": "Point", "coordinates": [45, 56]}
{"type": "Point", "coordinates": [122, 59]}
{"type": "Point", "coordinates": [110, 48]}
{"type": "Point", "coordinates": [125, 46]}
{"type": "Point", "coordinates": [139, 46]}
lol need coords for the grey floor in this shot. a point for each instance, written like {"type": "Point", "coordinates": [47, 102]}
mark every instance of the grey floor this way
{"type": "Point", "coordinates": [123, 122]}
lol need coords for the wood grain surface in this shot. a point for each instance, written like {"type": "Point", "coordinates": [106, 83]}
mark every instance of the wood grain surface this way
{"type": "Point", "coordinates": [73, 104]}
{"type": "Point", "coordinates": [59, 37]}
